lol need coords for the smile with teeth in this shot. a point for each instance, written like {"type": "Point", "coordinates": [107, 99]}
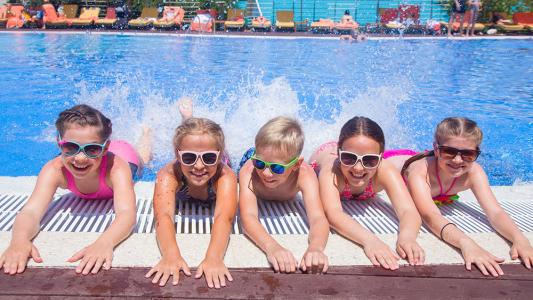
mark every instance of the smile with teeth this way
{"type": "Point", "coordinates": [358, 176]}
{"type": "Point", "coordinates": [79, 166]}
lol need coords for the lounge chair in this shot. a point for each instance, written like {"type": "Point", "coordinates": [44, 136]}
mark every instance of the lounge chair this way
{"type": "Point", "coordinates": [172, 17]}
{"type": "Point", "coordinates": [109, 20]}
{"type": "Point", "coordinates": [285, 20]}
{"type": "Point", "coordinates": [389, 19]}
{"type": "Point", "coordinates": [525, 19]}
{"type": "Point", "coordinates": [235, 19]}
{"type": "Point", "coordinates": [148, 16]}
{"type": "Point", "coordinates": [409, 15]}
{"type": "Point", "coordinates": [14, 16]}
{"type": "Point", "coordinates": [323, 25]}
{"type": "Point", "coordinates": [261, 23]}
{"type": "Point", "coordinates": [87, 17]}
{"type": "Point", "coordinates": [70, 11]}
{"type": "Point", "coordinates": [51, 19]}
{"type": "Point", "coordinates": [204, 20]}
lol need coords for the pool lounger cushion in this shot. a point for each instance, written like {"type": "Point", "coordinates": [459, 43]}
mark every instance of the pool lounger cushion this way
{"type": "Point", "coordinates": [87, 17]}
{"type": "Point", "coordinates": [235, 19]}
{"type": "Point", "coordinates": [323, 24]}
{"type": "Point", "coordinates": [172, 17]}
{"type": "Point", "coordinates": [148, 16]}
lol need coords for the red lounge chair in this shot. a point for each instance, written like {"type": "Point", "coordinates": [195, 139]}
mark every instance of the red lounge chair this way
{"type": "Point", "coordinates": [204, 20]}
{"type": "Point", "coordinates": [525, 19]}
{"type": "Point", "coordinates": [109, 20]}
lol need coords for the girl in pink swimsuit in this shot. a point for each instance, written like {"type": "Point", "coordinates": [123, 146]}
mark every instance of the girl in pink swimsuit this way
{"type": "Point", "coordinates": [354, 169]}
{"type": "Point", "coordinates": [91, 167]}
{"type": "Point", "coordinates": [435, 177]}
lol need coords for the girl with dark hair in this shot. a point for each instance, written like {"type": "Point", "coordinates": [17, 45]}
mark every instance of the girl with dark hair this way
{"type": "Point", "coordinates": [356, 168]}
{"type": "Point", "coordinates": [91, 166]}
{"type": "Point", "coordinates": [434, 178]}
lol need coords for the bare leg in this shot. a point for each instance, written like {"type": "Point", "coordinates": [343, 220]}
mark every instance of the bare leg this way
{"type": "Point", "coordinates": [450, 24]}
{"type": "Point", "coordinates": [473, 22]}
{"type": "Point", "coordinates": [461, 25]}
{"type": "Point", "coordinates": [185, 107]}
{"type": "Point", "coordinates": [144, 145]}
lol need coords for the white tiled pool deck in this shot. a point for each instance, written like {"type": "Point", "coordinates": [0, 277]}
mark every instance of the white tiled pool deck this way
{"type": "Point", "coordinates": [71, 224]}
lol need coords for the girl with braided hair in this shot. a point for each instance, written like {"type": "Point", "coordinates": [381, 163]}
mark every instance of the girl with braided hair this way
{"type": "Point", "coordinates": [92, 167]}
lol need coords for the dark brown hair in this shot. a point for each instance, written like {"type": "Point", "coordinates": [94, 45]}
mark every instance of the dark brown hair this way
{"type": "Point", "coordinates": [362, 126]}
{"type": "Point", "coordinates": [450, 127]}
{"type": "Point", "coordinates": [84, 115]}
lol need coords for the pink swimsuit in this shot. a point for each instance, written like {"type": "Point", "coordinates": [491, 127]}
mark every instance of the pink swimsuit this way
{"type": "Point", "coordinates": [443, 197]}
{"type": "Point", "coordinates": [119, 148]}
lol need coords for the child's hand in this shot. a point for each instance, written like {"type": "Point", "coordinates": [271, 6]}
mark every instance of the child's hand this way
{"type": "Point", "coordinates": [524, 251]}
{"type": "Point", "coordinates": [215, 272]}
{"type": "Point", "coordinates": [15, 258]}
{"type": "Point", "coordinates": [93, 257]}
{"type": "Point", "coordinates": [167, 267]}
{"type": "Point", "coordinates": [282, 259]}
{"type": "Point", "coordinates": [314, 261]}
{"type": "Point", "coordinates": [411, 251]}
{"type": "Point", "coordinates": [485, 261]}
{"type": "Point", "coordinates": [380, 254]}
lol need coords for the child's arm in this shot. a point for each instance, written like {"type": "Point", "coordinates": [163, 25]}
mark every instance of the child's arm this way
{"type": "Point", "coordinates": [226, 207]}
{"type": "Point", "coordinates": [410, 222]}
{"type": "Point", "coordinates": [442, 228]}
{"type": "Point", "coordinates": [314, 259]}
{"type": "Point", "coordinates": [498, 218]}
{"type": "Point", "coordinates": [100, 253]}
{"type": "Point", "coordinates": [171, 261]}
{"type": "Point", "coordinates": [375, 249]}
{"type": "Point", "coordinates": [26, 226]}
{"type": "Point", "coordinates": [281, 259]}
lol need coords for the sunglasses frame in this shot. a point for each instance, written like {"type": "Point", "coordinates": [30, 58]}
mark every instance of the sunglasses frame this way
{"type": "Point", "coordinates": [200, 156]}
{"type": "Point", "coordinates": [81, 148]}
{"type": "Point", "coordinates": [269, 164]}
{"type": "Point", "coordinates": [458, 152]}
{"type": "Point", "coordinates": [359, 158]}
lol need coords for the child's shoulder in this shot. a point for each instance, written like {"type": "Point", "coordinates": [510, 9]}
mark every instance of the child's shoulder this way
{"type": "Point", "coordinates": [54, 165]}
{"type": "Point", "coordinates": [227, 172]}
{"type": "Point", "coordinates": [167, 170]}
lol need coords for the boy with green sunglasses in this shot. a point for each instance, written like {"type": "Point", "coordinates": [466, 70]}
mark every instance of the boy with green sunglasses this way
{"type": "Point", "coordinates": [274, 170]}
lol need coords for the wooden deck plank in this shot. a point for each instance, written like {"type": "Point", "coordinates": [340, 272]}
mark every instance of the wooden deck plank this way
{"type": "Point", "coordinates": [437, 282]}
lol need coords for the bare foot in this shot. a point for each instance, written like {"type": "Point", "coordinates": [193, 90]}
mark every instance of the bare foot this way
{"type": "Point", "coordinates": [144, 146]}
{"type": "Point", "coordinates": [185, 107]}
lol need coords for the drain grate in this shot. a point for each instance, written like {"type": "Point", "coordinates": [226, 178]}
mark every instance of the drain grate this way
{"type": "Point", "coordinates": [71, 214]}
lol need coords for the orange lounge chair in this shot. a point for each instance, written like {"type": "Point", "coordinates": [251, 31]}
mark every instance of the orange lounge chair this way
{"type": "Point", "coordinates": [109, 20]}
{"type": "Point", "coordinates": [323, 25]}
{"type": "Point", "coordinates": [148, 16]}
{"type": "Point", "coordinates": [51, 19]}
{"type": "Point", "coordinates": [87, 17]}
{"type": "Point", "coordinates": [261, 23]}
{"type": "Point", "coordinates": [204, 20]}
{"type": "Point", "coordinates": [235, 19]}
{"type": "Point", "coordinates": [14, 16]}
{"type": "Point", "coordinates": [285, 20]}
{"type": "Point", "coordinates": [525, 19]}
{"type": "Point", "coordinates": [172, 17]}
{"type": "Point", "coordinates": [346, 24]}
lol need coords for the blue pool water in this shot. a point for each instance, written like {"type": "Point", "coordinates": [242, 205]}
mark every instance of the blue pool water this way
{"type": "Point", "coordinates": [407, 86]}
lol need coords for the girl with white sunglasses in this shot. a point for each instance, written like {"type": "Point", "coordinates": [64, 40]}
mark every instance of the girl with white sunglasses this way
{"type": "Point", "coordinates": [356, 168]}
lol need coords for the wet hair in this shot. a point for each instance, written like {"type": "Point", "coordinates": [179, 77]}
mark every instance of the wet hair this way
{"type": "Point", "coordinates": [450, 127]}
{"type": "Point", "coordinates": [357, 126]}
{"type": "Point", "coordinates": [198, 126]}
{"type": "Point", "coordinates": [84, 115]}
{"type": "Point", "coordinates": [347, 12]}
{"type": "Point", "coordinates": [283, 134]}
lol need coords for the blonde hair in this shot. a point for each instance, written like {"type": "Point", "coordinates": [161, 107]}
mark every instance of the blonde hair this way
{"type": "Point", "coordinates": [283, 134]}
{"type": "Point", "coordinates": [450, 127]}
{"type": "Point", "coordinates": [198, 126]}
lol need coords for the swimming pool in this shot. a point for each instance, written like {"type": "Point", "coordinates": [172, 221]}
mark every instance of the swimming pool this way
{"type": "Point", "coordinates": [407, 86]}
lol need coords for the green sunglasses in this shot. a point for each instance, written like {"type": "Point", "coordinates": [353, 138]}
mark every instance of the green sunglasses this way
{"type": "Point", "coordinates": [276, 168]}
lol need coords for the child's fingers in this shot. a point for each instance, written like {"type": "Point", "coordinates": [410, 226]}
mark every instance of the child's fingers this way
{"type": "Point", "coordinates": [326, 265]}
{"type": "Point", "coordinates": [274, 263]}
{"type": "Point", "coordinates": [303, 264]}
{"type": "Point", "coordinates": [497, 267]}
{"type": "Point", "coordinates": [186, 269]}
{"type": "Point", "coordinates": [89, 266]}
{"type": "Point", "coordinates": [228, 275]}
{"type": "Point", "coordinates": [216, 280]}
{"type": "Point", "coordinates": [158, 275]}
{"type": "Point", "coordinates": [374, 261]}
{"type": "Point", "coordinates": [35, 255]}
{"type": "Point", "coordinates": [393, 264]}
{"type": "Point", "coordinates": [401, 252]}
{"type": "Point", "coordinates": [175, 276]}
{"type": "Point", "coordinates": [151, 272]}
{"type": "Point", "coordinates": [292, 263]}
{"type": "Point", "coordinates": [383, 262]}
{"type": "Point", "coordinates": [514, 253]}
{"type": "Point", "coordinates": [468, 264]}
{"type": "Point", "coordinates": [21, 266]}
{"type": "Point", "coordinates": [199, 272]}
{"type": "Point", "coordinates": [98, 265]}
{"type": "Point", "coordinates": [77, 256]}
{"type": "Point", "coordinates": [164, 278]}
{"type": "Point", "coordinates": [108, 262]}
{"type": "Point", "coordinates": [222, 279]}
{"type": "Point", "coordinates": [209, 280]}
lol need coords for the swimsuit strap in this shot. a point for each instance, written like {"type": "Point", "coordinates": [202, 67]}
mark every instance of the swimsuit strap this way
{"type": "Point", "coordinates": [103, 192]}
{"type": "Point", "coordinates": [368, 193]}
{"type": "Point", "coordinates": [440, 184]}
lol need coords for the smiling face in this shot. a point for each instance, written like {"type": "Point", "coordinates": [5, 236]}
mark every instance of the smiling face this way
{"type": "Point", "coordinates": [455, 167]}
{"type": "Point", "coordinates": [198, 174]}
{"type": "Point", "coordinates": [79, 165]}
{"type": "Point", "coordinates": [358, 176]}
{"type": "Point", "coordinates": [270, 154]}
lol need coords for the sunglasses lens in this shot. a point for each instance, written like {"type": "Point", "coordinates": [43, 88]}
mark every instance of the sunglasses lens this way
{"type": "Point", "coordinates": [370, 161]}
{"type": "Point", "coordinates": [448, 152]}
{"type": "Point", "coordinates": [348, 159]}
{"type": "Point", "coordinates": [69, 148]}
{"type": "Point", "coordinates": [277, 169]}
{"type": "Point", "coordinates": [188, 158]}
{"type": "Point", "coordinates": [209, 158]}
{"type": "Point", "coordinates": [258, 164]}
{"type": "Point", "coordinates": [469, 155]}
{"type": "Point", "coordinates": [93, 151]}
